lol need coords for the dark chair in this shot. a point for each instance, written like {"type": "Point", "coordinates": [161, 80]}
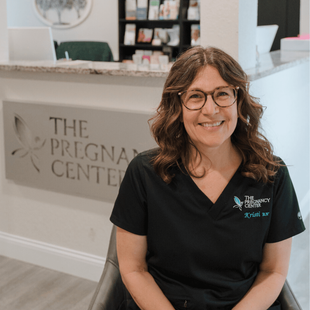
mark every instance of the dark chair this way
{"type": "Point", "coordinates": [111, 293]}
{"type": "Point", "coordinates": [85, 50]}
{"type": "Point", "coordinates": [55, 45]}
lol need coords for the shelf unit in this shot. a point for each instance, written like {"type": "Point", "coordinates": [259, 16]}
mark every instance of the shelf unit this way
{"type": "Point", "coordinates": [126, 51]}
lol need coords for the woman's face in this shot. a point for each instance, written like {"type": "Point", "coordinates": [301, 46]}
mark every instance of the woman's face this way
{"type": "Point", "coordinates": [212, 126]}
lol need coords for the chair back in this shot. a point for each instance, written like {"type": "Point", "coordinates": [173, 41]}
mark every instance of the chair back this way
{"type": "Point", "coordinates": [85, 50]}
{"type": "Point", "coordinates": [111, 293]}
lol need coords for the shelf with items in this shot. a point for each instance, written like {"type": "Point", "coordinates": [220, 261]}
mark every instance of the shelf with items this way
{"type": "Point", "coordinates": [181, 26]}
{"type": "Point", "coordinates": [163, 23]}
{"type": "Point", "coordinates": [129, 50]}
{"type": "Point", "coordinates": [189, 26]}
{"type": "Point", "coordinates": [148, 46]}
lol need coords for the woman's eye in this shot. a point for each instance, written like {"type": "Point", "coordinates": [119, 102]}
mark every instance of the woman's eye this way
{"type": "Point", "coordinates": [222, 94]}
{"type": "Point", "coordinates": [196, 96]}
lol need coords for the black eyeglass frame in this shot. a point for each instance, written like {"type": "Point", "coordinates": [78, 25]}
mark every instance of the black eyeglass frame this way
{"type": "Point", "coordinates": [210, 93]}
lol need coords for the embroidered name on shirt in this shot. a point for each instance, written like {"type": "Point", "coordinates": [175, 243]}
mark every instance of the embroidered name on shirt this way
{"type": "Point", "coordinates": [249, 202]}
{"type": "Point", "coordinates": [248, 215]}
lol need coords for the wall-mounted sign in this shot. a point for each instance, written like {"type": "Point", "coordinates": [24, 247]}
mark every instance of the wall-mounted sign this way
{"type": "Point", "coordinates": [73, 150]}
{"type": "Point", "coordinates": [62, 14]}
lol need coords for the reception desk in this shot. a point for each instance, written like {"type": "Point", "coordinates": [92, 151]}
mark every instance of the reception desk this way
{"type": "Point", "coordinates": [267, 64]}
{"type": "Point", "coordinates": [70, 233]}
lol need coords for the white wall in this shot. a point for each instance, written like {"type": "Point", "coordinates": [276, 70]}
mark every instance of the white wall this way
{"type": "Point", "coordinates": [304, 17]}
{"type": "Point", "coordinates": [101, 24]}
{"type": "Point", "coordinates": [231, 26]}
{"type": "Point", "coordinates": [286, 121]}
{"type": "Point", "coordinates": [4, 53]}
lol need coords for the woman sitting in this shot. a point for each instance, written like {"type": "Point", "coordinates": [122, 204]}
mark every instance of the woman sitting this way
{"type": "Point", "coordinates": [206, 220]}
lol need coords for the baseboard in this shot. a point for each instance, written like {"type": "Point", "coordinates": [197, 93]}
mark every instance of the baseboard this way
{"type": "Point", "coordinates": [61, 259]}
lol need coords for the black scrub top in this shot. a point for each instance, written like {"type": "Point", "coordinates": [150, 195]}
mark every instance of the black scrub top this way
{"type": "Point", "coordinates": [205, 255]}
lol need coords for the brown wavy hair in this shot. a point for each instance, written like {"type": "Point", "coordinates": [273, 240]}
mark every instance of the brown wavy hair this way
{"type": "Point", "coordinates": [168, 130]}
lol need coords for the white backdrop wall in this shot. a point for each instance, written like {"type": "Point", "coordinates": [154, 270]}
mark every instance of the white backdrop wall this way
{"type": "Point", "coordinates": [286, 124]}
{"type": "Point", "coordinates": [101, 24]}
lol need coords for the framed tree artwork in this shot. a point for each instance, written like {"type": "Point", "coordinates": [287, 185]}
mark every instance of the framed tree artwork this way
{"type": "Point", "coordinates": [62, 14]}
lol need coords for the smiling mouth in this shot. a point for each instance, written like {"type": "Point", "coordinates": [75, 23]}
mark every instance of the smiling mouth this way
{"type": "Point", "coordinates": [212, 124]}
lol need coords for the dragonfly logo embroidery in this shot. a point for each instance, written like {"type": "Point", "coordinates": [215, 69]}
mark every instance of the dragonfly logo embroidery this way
{"type": "Point", "coordinates": [238, 202]}
{"type": "Point", "coordinates": [29, 143]}
{"type": "Point", "coordinates": [249, 202]}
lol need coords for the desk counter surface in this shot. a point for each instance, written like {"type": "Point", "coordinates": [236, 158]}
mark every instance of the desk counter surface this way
{"type": "Point", "coordinates": [267, 64]}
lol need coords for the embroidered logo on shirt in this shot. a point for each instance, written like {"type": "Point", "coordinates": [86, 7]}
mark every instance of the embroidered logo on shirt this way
{"type": "Point", "coordinates": [299, 215]}
{"type": "Point", "coordinates": [238, 202]}
{"type": "Point", "coordinates": [249, 202]}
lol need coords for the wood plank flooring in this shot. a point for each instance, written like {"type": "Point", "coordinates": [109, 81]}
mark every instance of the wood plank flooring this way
{"type": "Point", "coordinates": [29, 287]}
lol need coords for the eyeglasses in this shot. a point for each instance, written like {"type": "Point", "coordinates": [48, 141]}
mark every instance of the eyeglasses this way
{"type": "Point", "coordinates": [222, 96]}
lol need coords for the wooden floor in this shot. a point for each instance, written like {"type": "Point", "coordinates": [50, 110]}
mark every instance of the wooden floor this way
{"type": "Point", "coordinates": [28, 287]}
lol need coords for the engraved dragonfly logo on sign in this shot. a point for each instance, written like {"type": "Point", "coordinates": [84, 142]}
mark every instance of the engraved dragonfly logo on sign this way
{"type": "Point", "coordinates": [29, 143]}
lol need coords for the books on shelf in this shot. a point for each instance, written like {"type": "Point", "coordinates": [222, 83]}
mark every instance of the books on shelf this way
{"type": "Point", "coordinates": [130, 9]}
{"type": "Point", "coordinates": [154, 9]}
{"type": "Point", "coordinates": [193, 12]}
{"type": "Point", "coordinates": [149, 58]}
{"type": "Point", "coordinates": [167, 50]}
{"type": "Point", "coordinates": [141, 9]}
{"type": "Point", "coordinates": [145, 35]}
{"type": "Point", "coordinates": [137, 9]}
{"type": "Point", "coordinates": [195, 35]}
{"type": "Point", "coordinates": [174, 10]}
{"type": "Point", "coordinates": [161, 35]}
{"type": "Point", "coordinates": [174, 35]}
{"type": "Point", "coordinates": [130, 34]}
{"type": "Point", "coordinates": [169, 10]}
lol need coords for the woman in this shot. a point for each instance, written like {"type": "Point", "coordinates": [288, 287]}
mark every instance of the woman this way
{"type": "Point", "coordinates": [205, 221]}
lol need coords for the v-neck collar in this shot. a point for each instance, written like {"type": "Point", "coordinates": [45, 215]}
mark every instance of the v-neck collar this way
{"type": "Point", "coordinates": [214, 209]}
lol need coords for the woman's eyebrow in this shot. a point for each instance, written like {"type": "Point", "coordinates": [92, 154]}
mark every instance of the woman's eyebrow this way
{"type": "Point", "coordinates": [200, 89]}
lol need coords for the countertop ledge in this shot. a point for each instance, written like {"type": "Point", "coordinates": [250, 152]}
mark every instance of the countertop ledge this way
{"type": "Point", "coordinates": [84, 67]}
{"type": "Point", "coordinates": [267, 64]}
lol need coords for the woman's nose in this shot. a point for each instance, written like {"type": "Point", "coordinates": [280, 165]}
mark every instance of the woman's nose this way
{"type": "Point", "coordinates": [210, 106]}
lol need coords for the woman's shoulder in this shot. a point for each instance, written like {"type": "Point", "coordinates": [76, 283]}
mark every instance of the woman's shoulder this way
{"type": "Point", "coordinates": [149, 154]}
{"type": "Point", "coordinates": [146, 156]}
{"type": "Point", "coordinates": [282, 165]}
{"type": "Point", "coordinates": [144, 159]}
{"type": "Point", "coordinates": [279, 168]}
{"type": "Point", "coordinates": [283, 171]}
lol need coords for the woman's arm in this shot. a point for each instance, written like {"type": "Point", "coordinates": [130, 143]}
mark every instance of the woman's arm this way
{"type": "Point", "coordinates": [131, 252]}
{"type": "Point", "coordinates": [270, 278]}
